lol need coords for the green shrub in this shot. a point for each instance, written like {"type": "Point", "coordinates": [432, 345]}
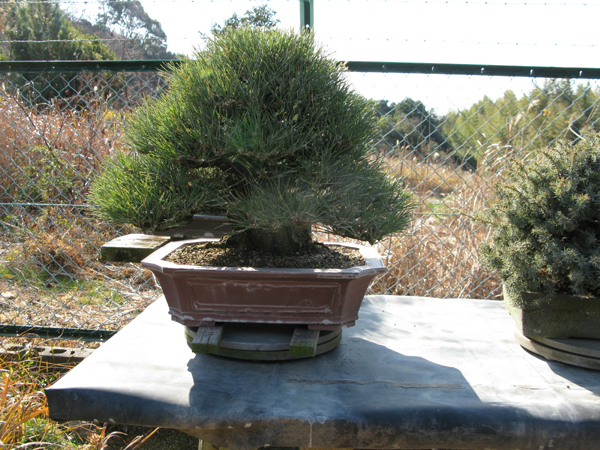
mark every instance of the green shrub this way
{"type": "Point", "coordinates": [547, 222]}
{"type": "Point", "coordinates": [263, 125]}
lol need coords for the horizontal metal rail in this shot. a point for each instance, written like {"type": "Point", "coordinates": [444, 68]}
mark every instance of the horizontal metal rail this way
{"type": "Point", "coordinates": [353, 66]}
{"type": "Point", "coordinates": [56, 333]}
{"type": "Point", "coordinates": [475, 69]}
{"type": "Point", "coordinates": [84, 66]}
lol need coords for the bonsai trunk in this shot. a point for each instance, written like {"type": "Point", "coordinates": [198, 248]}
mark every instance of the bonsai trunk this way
{"type": "Point", "coordinates": [283, 241]}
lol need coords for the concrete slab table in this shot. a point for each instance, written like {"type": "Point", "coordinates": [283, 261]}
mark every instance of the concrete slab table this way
{"type": "Point", "coordinates": [413, 373]}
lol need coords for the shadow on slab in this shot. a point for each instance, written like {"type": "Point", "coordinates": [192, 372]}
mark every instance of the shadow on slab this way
{"type": "Point", "coordinates": [360, 395]}
{"type": "Point", "coordinates": [578, 377]}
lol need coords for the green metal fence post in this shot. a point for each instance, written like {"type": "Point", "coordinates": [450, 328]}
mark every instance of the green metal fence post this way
{"type": "Point", "coordinates": [307, 14]}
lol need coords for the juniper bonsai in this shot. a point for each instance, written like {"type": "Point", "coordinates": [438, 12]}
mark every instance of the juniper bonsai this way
{"type": "Point", "coordinates": [262, 126]}
{"type": "Point", "coordinates": [546, 222]}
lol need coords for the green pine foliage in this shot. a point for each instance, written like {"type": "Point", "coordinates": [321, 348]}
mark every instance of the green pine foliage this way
{"type": "Point", "coordinates": [153, 193]}
{"type": "Point", "coordinates": [264, 125]}
{"type": "Point", "coordinates": [547, 222]}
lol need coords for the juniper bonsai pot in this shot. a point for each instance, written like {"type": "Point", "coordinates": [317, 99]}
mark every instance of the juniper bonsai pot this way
{"type": "Point", "coordinates": [546, 240]}
{"type": "Point", "coordinates": [262, 127]}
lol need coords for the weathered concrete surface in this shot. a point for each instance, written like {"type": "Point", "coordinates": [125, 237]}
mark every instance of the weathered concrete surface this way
{"type": "Point", "coordinates": [413, 373]}
{"type": "Point", "coordinates": [131, 247]}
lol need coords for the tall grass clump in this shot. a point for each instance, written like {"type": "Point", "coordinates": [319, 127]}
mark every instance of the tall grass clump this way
{"type": "Point", "coordinates": [24, 420]}
{"type": "Point", "coordinates": [21, 403]}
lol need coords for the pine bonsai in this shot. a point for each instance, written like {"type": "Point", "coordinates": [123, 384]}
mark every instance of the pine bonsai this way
{"type": "Point", "coordinates": [263, 127]}
{"type": "Point", "coordinates": [546, 219]}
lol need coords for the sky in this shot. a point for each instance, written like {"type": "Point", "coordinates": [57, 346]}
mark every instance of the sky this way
{"type": "Point", "coordinates": [534, 32]}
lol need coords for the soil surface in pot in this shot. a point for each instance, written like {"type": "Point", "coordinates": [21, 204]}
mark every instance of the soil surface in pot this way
{"type": "Point", "coordinates": [222, 254]}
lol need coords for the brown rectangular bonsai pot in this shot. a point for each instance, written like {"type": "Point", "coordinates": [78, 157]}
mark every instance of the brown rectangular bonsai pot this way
{"type": "Point", "coordinates": [324, 299]}
{"type": "Point", "coordinates": [557, 316]}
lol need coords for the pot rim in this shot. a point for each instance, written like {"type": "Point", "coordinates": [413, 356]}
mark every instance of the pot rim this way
{"type": "Point", "coordinates": [538, 298]}
{"type": "Point", "coordinates": [155, 262]}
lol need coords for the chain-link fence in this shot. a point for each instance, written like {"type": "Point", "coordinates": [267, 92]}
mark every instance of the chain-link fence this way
{"type": "Point", "coordinates": [60, 121]}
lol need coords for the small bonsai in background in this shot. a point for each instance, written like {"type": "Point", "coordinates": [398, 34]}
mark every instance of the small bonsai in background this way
{"type": "Point", "coordinates": [546, 220]}
{"type": "Point", "coordinates": [263, 127]}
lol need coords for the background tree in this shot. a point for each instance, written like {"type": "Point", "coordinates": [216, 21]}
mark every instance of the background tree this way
{"type": "Point", "coordinates": [409, 124]}
{"type": "Point", "coordinates": [259, 16]}
{"type": "Point", "coordinates": [4, 51]}
{"type": "Point", "coordinates": [40, 31]}
{"type": "Point", "coordinates": [489, 129]}
{"type": "Point", "coordinates": [132, 34]}
{"type": "Point", "coordinates": [128, 30]}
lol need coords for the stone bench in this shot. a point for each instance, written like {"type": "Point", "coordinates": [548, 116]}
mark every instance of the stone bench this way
{"type": "Point", "coordinates": [413, 373]}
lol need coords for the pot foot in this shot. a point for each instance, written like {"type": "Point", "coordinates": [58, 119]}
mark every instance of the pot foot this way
{"type": "Point", "coordinates": [333, 327]}
{"type": "Point", "coordinates": [576, 352]}
{"type": "Point", "coordinates": [261, 342]}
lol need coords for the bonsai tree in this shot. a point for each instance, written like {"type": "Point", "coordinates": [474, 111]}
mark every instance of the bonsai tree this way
{"type": "Point", "coordinates": [261, 126]}
{"type": "Point", "coordinates": [546, 220]}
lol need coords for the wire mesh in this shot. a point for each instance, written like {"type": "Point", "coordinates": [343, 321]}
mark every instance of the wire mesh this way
{"type": "Point", "coordinates": [59, 126]}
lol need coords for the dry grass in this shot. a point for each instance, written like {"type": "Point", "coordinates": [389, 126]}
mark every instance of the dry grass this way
{"type": "Point", "coordinates": [437, 257]}
{"type": "Point", "coordinates": [50, 273]}
{"type": "Point", "coordinates": [49, 154]}
{"type": "Point", "coordinates": [24, 420]}
{"type": "Point", "coordinates": [435, 176]}
{"type": "Point", "coordinates": [21, 401]}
